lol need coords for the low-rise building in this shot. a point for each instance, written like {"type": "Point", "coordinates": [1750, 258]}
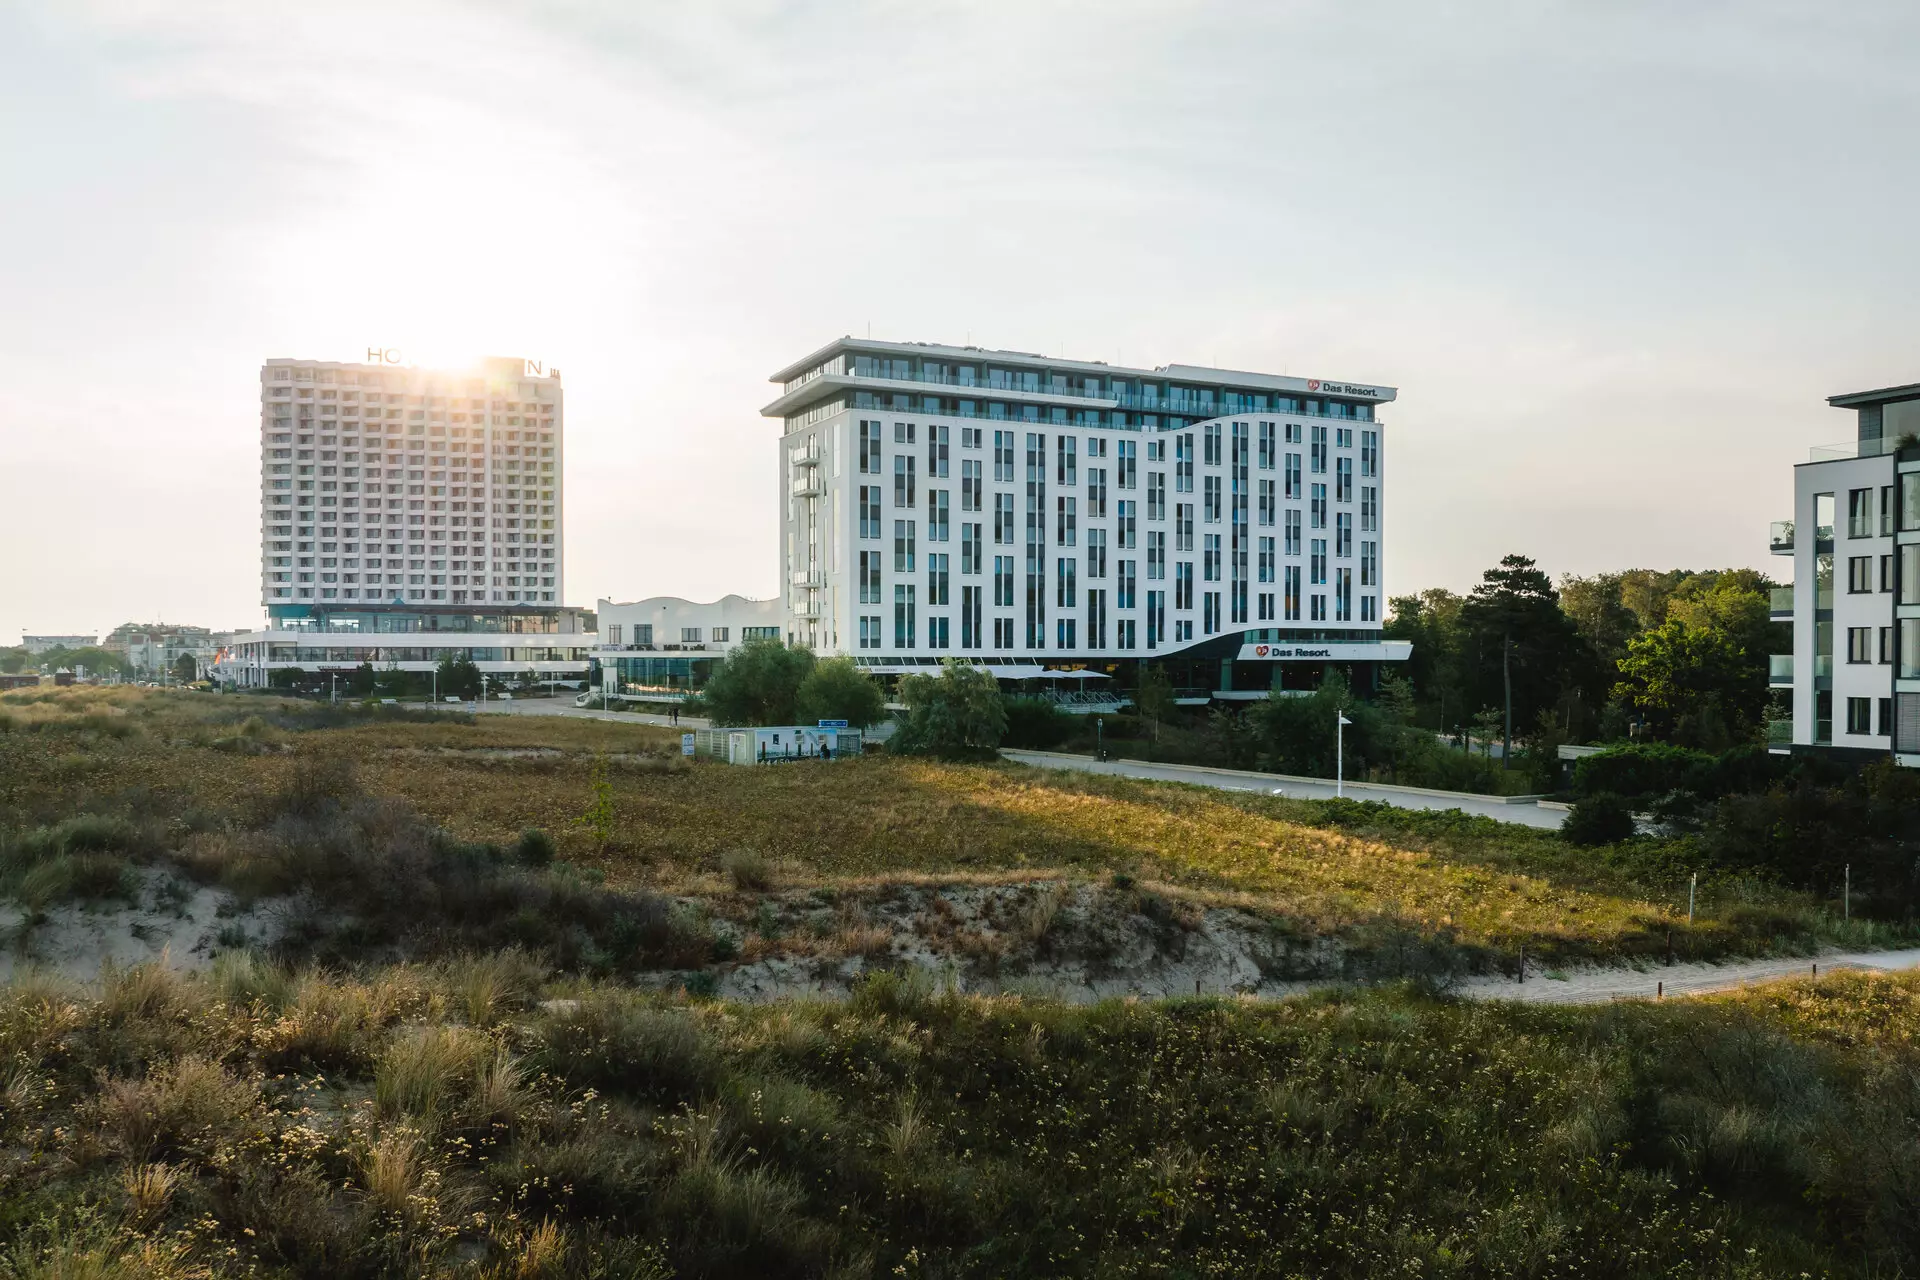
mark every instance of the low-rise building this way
{"type": "Point", "coordinates": [664, 647]}
{"type": "Point", "coordinates": [40, 644]}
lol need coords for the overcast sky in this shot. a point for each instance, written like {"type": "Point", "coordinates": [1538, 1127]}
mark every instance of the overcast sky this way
{"type": "Point", "coordinates": [1614, 255]}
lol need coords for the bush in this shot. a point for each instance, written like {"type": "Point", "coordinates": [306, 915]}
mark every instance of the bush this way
{"type": "Point", "coordinates": [1601, 818]}
{"type": "Point", "coordinates": [535, 848]}
{"type": "Point", "coordinates": [1037, 724]}
{"type": "Point", "coordinates": [1643, 769]}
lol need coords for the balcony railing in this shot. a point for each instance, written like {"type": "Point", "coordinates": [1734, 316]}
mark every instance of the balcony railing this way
{"type": "Point", "coordinates": [1780, 668]}
{"type": "Point", "coordinates": [1823, 666]}
{"type": "Point", "coordinates": [1780, 537]}
{"type": "Point", "coordinates": [1780, 602]}
{"type": "Point", "coordinates": [1779, 733]}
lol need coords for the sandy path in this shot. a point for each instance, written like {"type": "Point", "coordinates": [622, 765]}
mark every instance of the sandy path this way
{"type": "Point", "coordinates": [1594, 986]}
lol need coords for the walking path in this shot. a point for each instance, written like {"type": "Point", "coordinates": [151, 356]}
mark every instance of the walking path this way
{"type": "Point", "coordinates": [1524, 811]}
{"type": "Point", "coordinates": [565, 707]}
{"type": "Point", "coordinates": [1595, 986]}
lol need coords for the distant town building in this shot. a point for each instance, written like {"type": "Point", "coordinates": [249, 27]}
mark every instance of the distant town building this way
{"type": "Point", "coordinates": [154, 649]}
{"type": "Point", "coordinates": [666, 647]}
{"type": "Point", "coordinates": [1853, 677]}
{"type": "Point", "coordinates": [40, 644]}
{"type": "Point", "coordinates": [410, 515]}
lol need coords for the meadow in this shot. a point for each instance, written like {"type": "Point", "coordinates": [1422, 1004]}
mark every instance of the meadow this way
{"type": "Point", "coordinates": [453, 1063]}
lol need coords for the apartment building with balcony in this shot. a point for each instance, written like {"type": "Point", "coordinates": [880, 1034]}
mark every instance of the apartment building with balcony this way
{"type": "Point", "coordinates": [1853, 678]}
{"type": "Point", "coordinates": [411, 514]}
{"type": "Point", "coordinates": [1029, 514]}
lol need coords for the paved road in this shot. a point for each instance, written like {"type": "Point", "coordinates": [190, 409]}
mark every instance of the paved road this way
{"type": "Point", "coordinates": [565, 707]}
{"type": "Point", "coordinates": [1531, 815]}
{"type": "Point", "coordinates": [1596, 986]}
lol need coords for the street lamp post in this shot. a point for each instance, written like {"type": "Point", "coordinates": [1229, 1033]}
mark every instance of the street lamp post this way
{"type": "Point", "coordinates": [1099, 737]}
{"type": "Point", "coordinates": [1340, 723]}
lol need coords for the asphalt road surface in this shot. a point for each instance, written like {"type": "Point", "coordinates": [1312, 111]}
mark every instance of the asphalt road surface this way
{"type": "Point", "coordinates": [1531, 815]}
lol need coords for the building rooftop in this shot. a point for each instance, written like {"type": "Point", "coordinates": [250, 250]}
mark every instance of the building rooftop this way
{"type": "Point", "coordinates": [1884, 395]}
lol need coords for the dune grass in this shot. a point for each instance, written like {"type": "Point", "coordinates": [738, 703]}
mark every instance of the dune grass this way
{"type": "Point", "coordinates": [1330, 868]}
{"type": "Point", "coordinates": [296, 1124]}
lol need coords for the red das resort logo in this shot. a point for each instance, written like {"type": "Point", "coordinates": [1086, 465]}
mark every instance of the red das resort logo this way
{"type": "Point", "coordinates": [1313, 384]}
{"type": "Point", "coordinates": [1259, 651]}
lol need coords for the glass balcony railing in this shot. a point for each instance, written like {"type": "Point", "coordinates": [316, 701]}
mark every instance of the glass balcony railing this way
{"type": "Point", "coordinates": [1779, 733]}
{"type": "Point", "coordinates": [1823, 666]}
{"type": "Point", "coordinates": [1780, 668]}
{"type": "Point", "coordinates": [1780, 537]}
{"type": "Point", "coordinates": [1780, 602]}
{"type": "Point", "coordinates": [1823, 731]}
{"type": "Point", "coordinates": [1823, 598]}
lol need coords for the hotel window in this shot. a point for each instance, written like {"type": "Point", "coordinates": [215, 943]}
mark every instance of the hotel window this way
{"type": "Point", "coordinates": [870, 631]}
{"type": "Point", "coordinates": [970, 484]}
{"type": "Point", "coordinates": [937, 633]}
{"type": "Point", "coordinates": [1210, 558]}
{"type": "Point", "coordinates": [1268, 504]}
{"type": "Point", "coordinates": [1003, 584]}
{"type": "Point", "coordinates": [1859, 644]}
{"type": "Point", "coordinates": [1064, 583]}
{"type": "Point", "coordinates": [1124, 592]}
{"type": "Point", "coordinates": [1369, 508]}
{"type": "Point", "coordinates": [1211, 499]}
{"type": "Point", "coordinates": [1066, 460]}
{"type": "Point", "coordinates": [1096, 553]}
{"type": "Point", "coordinates": [1210, 602]}
{"type": "Point", "coordinates": [1183, 584]}
{"type": "Point", "coordinates": [1213, 444]}
{"type": "Point", "coordinates": [1183, 463]}
{"type": "Point", "coordinates": [936, 515]}
{"type": "Point", "coordinates": [1096, 492]}
{"type": "Point", "coordinates": [1064, 637]}
{"type": "Point", "coordinates": [1316, 608]}
{"type": "Point", "coordinates": [870, 511]}
{"type": "Point", "coordinates": [970, 617]}
{"type": "Point", "coordinates": [1156, 495]}
{"type": "Point", "coordinates": [970, 549]}
{"type": "Point", "coordinates": [870, 577]}
{"type": "Point", "coordinates": [1156, 554]}
{"type": "Point", "coordinates": [1343, 595]}
{"type": "Point", "coordinates": [1066, 522]}
{"type": "Point", "coordinates": [1266, 446]}
{"type": "Point", "coordinates": [1319, 450]}
{"type": "Point", "coordinates": [936, 451]}
{"type": "Point", "coordinates": [903, 546]}
{"type": "Point", "coordinates": [1317, 559]}
{"type": "Point", "coordinates": [903, 490]}
{"type": "Point", "coordinates": [1317, 503]}
{"type": "Point", "coordinates": [1124, 456]}
{"type": "Point", "coordinates": [719, 635]}
{"type": "Point", "coordinates": [1156, 618]}
{"type": "Point", "coordinates": [1128, 527]}
{"type": "Point", "coordinates": [869, 448]}
{"type": "Point", "coordinates": [903, 612]}
{"type": "Point", "coordinates": [1369, 564]}
{"type": "Point", "coordinates": [1293, 475]}
{"type": "Point", "coordinates": [1003, 455]}
{"type": "Point", "coordinates": [1003, 633]}
{"type": "Point", "coordinates": [1003, 517]}
{"type": "Point", "coordinates": [1267, 560]}
{"type": "Point", "coordinates": [970, 437]}
{"type": "Point", "coordinates": [1183, 526]}
{"type": "Point", "coordinates": [1343, 480]}
{"type": "Point", "coordinates": [1369, 453]}
{"type": "Point", "coordinates": [1343, 535]}
{"type": "Point", "coordinates": [904, 433]}
{"type": "Point", "coordinates": [1886, 644]}
{"type": "Point", "coordinates": [689, 635]}
{"type": "Point", "coordinates": [936, 579]}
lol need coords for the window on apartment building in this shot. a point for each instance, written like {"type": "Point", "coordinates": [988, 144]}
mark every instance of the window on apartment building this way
{"type": "Point", "coordinates": [1859, 644]}
{"type": "Point", "coordinates": [1860, 513]}
{"type": "Point", "coordinates": [689, 635]}
{"type": "Point", "coordinates": [869, 433]}
{"type": "Point", "coordinates": [937, 455]}
{"type": "Point", "coordinates": [971, 487]}
{"type": "Point", "coordinates": [720, 635]}
{"type": "Point", "coordinates": [1885, 729]}
{"type": "Point", "coordinates": [1886, 644]}
{"type": "Point", "coordinates": [1859, 574]}
{"type": "Point", "coordinates": [1860, 715]}
{"type": "Point", "coordinates": [903, 480]}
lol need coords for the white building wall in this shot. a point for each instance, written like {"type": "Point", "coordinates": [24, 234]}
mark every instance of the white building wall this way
{"type": "Point", "coordinates": [820, 482]}
{"type": "Point", "coordinates": [1824, 599]}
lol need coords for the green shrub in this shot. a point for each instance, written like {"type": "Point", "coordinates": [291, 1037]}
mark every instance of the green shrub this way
{"type": "Point", "coordinates": [535, 848]}
{"type": "Point", "coordinates": [1037, 724]}
{"type": "Point", "coordinates": [1600, 818]}
{"type": "Point", "coordinates": [1643, 769]}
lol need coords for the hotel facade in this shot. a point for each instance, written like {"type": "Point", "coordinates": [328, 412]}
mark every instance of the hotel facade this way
{"type": "Point", "coordinates": [408, 515]}
{"type": "Point", "coordinates": [1030, 514]}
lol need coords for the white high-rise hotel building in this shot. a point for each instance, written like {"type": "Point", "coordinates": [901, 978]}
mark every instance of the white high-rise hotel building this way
{"type": "Point", "coordinates": [381, 484]}
{"type": "Point", "coordinates": [1015, 509]}
{"type": "Point", "coordinates": [409, 515]}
